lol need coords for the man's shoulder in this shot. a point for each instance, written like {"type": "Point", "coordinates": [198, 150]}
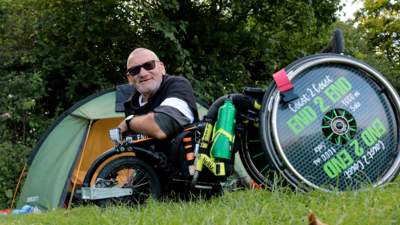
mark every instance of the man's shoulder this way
{"type": "Point", "coordinates": [178, 87]}
{"type": "Point", "coordinates": [171, 78]}
{"type": "Point", "coordinates": [177, 81]}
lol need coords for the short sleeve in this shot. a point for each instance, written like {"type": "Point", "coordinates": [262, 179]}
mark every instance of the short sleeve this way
{"type": "Point", "coordinates": [170, 120]}
{"type": "Point", "coordinates": [180, 88]}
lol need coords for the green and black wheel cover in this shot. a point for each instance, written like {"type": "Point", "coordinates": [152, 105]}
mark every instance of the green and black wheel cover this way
{"type": "Point", "coordinates": [342, 131]}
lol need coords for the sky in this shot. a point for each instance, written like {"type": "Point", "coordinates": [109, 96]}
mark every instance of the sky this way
{"type": "Point", "coordinates": [349, 9]}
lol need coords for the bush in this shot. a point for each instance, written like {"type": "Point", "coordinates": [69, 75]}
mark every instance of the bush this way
{"type": "Point", "coordinates": [23, 121]}
{"type": "Point", "coordinates": [13, 159]}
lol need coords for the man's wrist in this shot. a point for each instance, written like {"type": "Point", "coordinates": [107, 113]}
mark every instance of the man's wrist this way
{"type": "Point", "coordinates": [128, 120]}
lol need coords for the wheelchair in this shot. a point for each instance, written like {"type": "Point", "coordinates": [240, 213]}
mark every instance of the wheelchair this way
{"type": "Point", "coordinates": [335, 130]}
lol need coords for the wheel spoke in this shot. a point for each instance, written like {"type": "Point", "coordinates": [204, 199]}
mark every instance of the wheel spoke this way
{"type": "Point", "coordinates": [334, 112]}
{"type": "Point", "coordinates": [143, 189]}
{"type": "Point", "coordinates": [329, 137]}
{"type": "Point", "coordinates": [135, 176]}
{"type": "Point", "coordinates": [328, 123]}
{"type": "Point", "coordinates": [137, 202]}
{"type": "Point", "coordinates": [120, 181]}
{"type": "Point", "coordinates": [141, 193]}
{"type": "Point", "coordinates": [140, 180]}
{"type": "Point", "coordinates": [141, 185]}
{"type": "Point", "coordinates": [346, 137]}
{"type": "Point", "coordinates": [264, 169]}
{"type": "Point", "coordinates": [338, 140]}
{"type": "Point", "coordinates": [258, 155]}
{"type": "Point", "coordinates": [126, 179]}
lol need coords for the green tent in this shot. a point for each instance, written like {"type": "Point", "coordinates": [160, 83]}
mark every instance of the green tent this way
{"type": "Point", "coordinates": [81, 130]}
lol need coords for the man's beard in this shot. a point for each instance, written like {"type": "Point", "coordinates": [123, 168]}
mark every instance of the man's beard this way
{"type": "Point", "coordinates": [146, 92]}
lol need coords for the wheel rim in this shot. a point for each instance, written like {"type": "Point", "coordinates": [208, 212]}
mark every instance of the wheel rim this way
{"type": "Point", "coordinates": [139, 183]}
{"type": "Point", "coordinates": [300, 146]}
{"type": "Point", "coordinates": [255, 158]}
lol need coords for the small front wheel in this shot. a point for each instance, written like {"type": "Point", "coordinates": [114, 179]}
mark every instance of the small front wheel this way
{"type": "Point", "coordinates": [131, 172]}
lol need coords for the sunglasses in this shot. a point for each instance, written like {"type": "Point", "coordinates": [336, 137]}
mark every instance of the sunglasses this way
{"type": "Point", "coordinates": [133, 71]}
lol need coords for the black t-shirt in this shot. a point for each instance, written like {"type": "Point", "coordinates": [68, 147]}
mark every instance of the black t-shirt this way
{"type": "Point", "coordinates": [168, 118]}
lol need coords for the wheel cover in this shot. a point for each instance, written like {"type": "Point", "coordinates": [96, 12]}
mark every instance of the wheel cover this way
{"type": "Point", "coordinates": [321, 152]}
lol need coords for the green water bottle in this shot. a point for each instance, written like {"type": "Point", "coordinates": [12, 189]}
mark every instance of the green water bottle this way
{"type": "Point", "coordinates": [224, 131]}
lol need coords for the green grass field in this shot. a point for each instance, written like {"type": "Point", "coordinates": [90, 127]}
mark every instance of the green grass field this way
{"type": "Point", "coordinates": [374, 206]}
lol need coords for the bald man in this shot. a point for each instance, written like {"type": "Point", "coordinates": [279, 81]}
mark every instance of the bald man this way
{"type": "Point", "coordinates": [162, 104]}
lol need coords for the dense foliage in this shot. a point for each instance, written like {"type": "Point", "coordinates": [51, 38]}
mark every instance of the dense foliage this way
{"type": "Point", "coordinates": [23, 121]}
{"type": "Point", "coordinates": [381, 21]}
{"type": "Point", "coordinates": [357, 47]}
{"type": "Point", "coordinates": [220, 46]}
{"type": "Point", "coordinates": [22, 91]}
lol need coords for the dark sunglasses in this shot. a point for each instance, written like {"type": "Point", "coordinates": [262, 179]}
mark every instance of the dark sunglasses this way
{"type": "Point", "coordinates": [133, 71]}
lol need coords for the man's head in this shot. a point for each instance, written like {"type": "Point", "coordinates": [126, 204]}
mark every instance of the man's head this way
{"type": "Point", "coordinates": [148, 79]}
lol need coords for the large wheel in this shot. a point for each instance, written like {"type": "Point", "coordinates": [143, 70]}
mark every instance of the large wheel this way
{"type": "Point", "coordinates": [144, 181]}
{"type": "Point", "coordinates": [341, 134]}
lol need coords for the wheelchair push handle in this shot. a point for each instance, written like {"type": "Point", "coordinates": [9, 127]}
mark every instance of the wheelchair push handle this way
{"type": "Point", "coordinates": [336, 44]}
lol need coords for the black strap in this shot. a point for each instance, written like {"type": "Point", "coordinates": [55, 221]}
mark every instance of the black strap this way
{"type": "Point", "coordinates": [207, 142]}
{"type": "Point", "coordinates": [173, 151]}
{"type": "Point", "coordinates": [208, 120]}
{"type": "Point", "coordinates": [204, 151]}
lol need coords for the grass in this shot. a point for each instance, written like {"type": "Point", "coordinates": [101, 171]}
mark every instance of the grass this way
{"type": "Point", "coordinates": [374, 206]}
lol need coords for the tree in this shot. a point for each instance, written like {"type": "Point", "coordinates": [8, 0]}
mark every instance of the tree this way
{"type": "Point", "coordinates": [357, 47]}
{"type": "Point", "coordinates": [16, 34]}
{"type": "Point", "coordinates": [22, 88]}
{"type": "Point", "coordinates": [81, 48]}
{"type": "Point", "coordinates": [220, 46]}
{"type": "Point", "coordinates": [381, 20]}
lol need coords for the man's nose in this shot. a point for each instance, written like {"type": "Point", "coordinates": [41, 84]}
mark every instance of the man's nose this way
{"type": "Point", "coordinates": [143, 72]}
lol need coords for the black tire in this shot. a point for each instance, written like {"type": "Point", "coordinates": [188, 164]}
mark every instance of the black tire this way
{"type": "Point", "coordinates": [144, 183]}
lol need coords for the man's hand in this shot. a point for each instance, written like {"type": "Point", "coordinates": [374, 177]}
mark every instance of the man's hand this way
{"type": "Point", "coordinates": [124, 130]}
{"type": "Point", "coordinates": [144, 124]}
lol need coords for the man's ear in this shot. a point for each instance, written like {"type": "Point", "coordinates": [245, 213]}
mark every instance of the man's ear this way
{"type": "Point", "coordinates": [162, 68]}
{"type": "Point", "coordinates": [130, 79]}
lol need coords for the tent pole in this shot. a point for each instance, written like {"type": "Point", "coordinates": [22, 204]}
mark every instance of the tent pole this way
{"type": "Point", "coordinates": [79, 166]}
{"type": "Point", "coordinates": [15, 193]}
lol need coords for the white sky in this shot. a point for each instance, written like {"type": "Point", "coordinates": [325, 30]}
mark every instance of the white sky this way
{"type": "Point", "coordinates": [349, 9]}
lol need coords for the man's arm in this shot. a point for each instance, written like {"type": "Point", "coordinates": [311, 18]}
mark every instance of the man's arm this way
{"type": "Point", "coordinates": [144, 124]}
